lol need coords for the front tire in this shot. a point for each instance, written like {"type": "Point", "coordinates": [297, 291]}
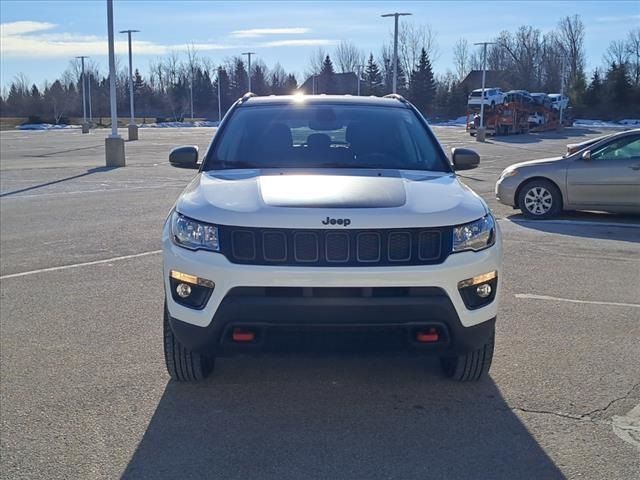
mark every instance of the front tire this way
{"type": "Point", "coordinates": [471, 366]}
{"type": "Point", "coordinates": [183, 364]}
{"type": "Point", "coordinates": [540, 199]}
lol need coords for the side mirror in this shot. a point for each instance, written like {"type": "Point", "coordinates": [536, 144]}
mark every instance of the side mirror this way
{"type": "Point", "coordinates": [586, 155]}
{"type": "Point", "coordinates": [464, 159]}
{"type": "Point", "coordinates": [184, 157]}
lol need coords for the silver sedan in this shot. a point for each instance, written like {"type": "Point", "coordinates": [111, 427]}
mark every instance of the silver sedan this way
{"type": "Point", "coordinates": [604, 176]}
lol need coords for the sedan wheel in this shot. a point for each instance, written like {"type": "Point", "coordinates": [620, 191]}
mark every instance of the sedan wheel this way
{"type": "Point", "coordinates": [540, 199]}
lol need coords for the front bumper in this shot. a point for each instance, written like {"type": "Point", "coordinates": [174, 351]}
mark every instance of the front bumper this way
{"type": "Point", "coordinates": [199, 328]}
{"type": "Point", "coordinates": [506, 188]}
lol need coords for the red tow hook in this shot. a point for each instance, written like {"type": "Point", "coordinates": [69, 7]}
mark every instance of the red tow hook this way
{"type": "Point", "coordinates": [244, 336]}
{"type": "Point", "coordinates": [427, 336]}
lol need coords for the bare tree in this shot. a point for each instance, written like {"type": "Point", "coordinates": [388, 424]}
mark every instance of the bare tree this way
{"type": "Point", "coordinates": [520, 54]}
{"type": "Point", "coordinates": [616, 53]}
{"type": "Point", "coordinates": [21, 82]}
{"type": "Point", "coordinates": [315, 61]}
{"type": "Point", "coordinates": [461, 58]}
{"type": "Point", "coordinates": [412, 39]}
{"type": "Point", "coordinates": [633, 49]}
{"type": "Point", "coordinates": [571, 38]}
{"type": "Point", "coordinates": [347, 56]}
{"type": "Point", "coordinates": [551, 63]}
{"type": "Point", "coordinates": [475, 60]}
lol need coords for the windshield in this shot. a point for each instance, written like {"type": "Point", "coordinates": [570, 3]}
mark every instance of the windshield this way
{"type": "Point", "coordinates": [325, 136]}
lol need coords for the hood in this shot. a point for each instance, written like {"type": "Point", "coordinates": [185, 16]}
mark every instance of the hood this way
{"type": "Point", "coordinates": [532, 163]}
{"type": "Point", "coordinates": [368, 198]}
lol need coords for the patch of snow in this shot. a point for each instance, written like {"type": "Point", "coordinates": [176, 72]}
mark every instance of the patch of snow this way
{"type": "Point", "coordinates": [585, 122]}
{"type": "Point", "coordinates": [204, 123]}
{"type": "Point", "coordinates": [458, 122]}
{"type": "Point", "coordinates": [46, 126]}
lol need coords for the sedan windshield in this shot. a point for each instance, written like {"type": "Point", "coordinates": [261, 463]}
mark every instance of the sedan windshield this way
{"type": "Point", "coordinates": [326, 136]}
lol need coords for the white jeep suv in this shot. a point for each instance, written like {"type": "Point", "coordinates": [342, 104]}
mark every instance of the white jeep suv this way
{"type": "Point", "coordinates": [492, 97]}
{"type": "Point", "coordinates": [317, 221]}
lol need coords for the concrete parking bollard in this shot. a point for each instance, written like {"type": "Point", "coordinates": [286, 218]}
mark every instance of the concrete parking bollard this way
{"type": "Point", "coordinates": [133, 132]}
{"type": "Point", "coordinates": [114, 151]}
{"type": "Point", "coordinates": [85, 127]}
{"type": "Point", "coordinates": [481, 134]}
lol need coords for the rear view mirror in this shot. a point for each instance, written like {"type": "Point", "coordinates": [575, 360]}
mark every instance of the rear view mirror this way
{"type": "Point", "coordinates": [464, 159]}
{"type": "Point", "coordinates": [184, 157]}
{"type": "Point", "coordinates": [586, 155]}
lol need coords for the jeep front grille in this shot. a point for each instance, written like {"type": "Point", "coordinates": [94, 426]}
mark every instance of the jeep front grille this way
{"type": "Point", "coordinates": [332, 248]}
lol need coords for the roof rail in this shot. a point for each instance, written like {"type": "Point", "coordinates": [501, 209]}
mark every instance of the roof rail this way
{"type": "Point", "coordinates": [395, 96]}
{"type": "Point", "coordinates": [247, 96]}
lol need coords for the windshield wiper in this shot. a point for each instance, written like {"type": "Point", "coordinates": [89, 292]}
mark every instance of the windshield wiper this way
{"type": "Point", "coordinates": [233, 165]}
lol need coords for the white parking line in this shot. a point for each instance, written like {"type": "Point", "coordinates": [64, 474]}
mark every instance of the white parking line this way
{"type": "Point", "coordinates": [76, 265]}
{"type": "Point", "coordinates": [531, 296]}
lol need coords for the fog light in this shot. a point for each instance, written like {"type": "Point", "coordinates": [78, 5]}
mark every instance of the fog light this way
{"type": "Point", "coordinates": [483, 291]}
{"type": "Point", "coordinates": [470, 282]}
{"type": "Point", "coordinates": [183, 290]}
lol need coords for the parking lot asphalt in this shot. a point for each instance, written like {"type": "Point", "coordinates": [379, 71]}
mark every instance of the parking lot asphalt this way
{"type": "Point", "coordinates": [84, 392]}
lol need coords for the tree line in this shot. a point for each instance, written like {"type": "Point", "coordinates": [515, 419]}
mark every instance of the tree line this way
{"type": "Point", "coordinates": [524, 58]}
{"type": "Point", "coordinates": [166, 93]}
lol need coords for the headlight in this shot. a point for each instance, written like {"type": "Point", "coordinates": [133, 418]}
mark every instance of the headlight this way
{"type": "Point", "coordinates": [194, 235]}
{"type": "Point", "coordinates": [509, 173]}
{"type": "Point", "coordinates": [475, 236]}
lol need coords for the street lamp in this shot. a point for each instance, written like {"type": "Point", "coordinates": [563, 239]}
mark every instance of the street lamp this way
{"type": "Point", "coordinates": [219, 98]}
{"type": "Point", "coordinates": [133, 128]}
{"type": "Point", "coordinates": [395, 46]}
{"type": "Point", "coordinates": [89, 98]}
{"type": "Point", "coordinates": [248, 54]}
{"type": "Point", "coordinates": [480, 133]}
{"type": "Point", "coordinates": [360, 67]}
{"type": "Point", "coordinates": [114, 144]}
{"type": "Point", "coordinates": [85, 127]}
{"type": "Point", "coordinates": [562, 75]}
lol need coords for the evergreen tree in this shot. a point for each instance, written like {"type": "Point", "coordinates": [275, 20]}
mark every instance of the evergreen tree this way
{"type": "Point", "coordinates": [56, 98]}
{"type": "Point", "coordinates": [34, 104]}
{"type": "Point", "coordinates": [291, 84]}
{"type": "Point", "coordinates": [422, 88]}
{"type": "Point", "coordinates": [15, 101]}
{"type": "Point", "coordinates": [388, 77]}
{"type": "Point", "coordinates": [372, 77]}
{"type": "Point", "coordinates": [618, 85]}
{"type": "Point", "coordinates": [595, 91]}
{"type": "Point", "coordinates": [138, 82]}
{"type": "Point", "coordinates": [327, 77]}
{"type": "Point", "coordinates": [226, 96]}
{"type": "Point", "coordinates": [577, 89]}
{"type": "Point", "coordinates": [258, 81]}
{"type": "Point", "coordinates": [239, 85]}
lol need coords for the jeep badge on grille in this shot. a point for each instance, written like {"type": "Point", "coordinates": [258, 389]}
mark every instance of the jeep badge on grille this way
{"type": "Point", "coordinates": [337, 221]}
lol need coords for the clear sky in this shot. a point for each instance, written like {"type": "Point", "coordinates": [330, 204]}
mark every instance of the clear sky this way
{"type": "Point", "coordinates": [39, 38]}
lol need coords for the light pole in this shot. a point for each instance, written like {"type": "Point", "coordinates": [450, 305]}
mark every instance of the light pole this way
{"type": "Point", "coordinates": [248, 54]}
{"type": "Point", "coordinates": [219, 98]}
{"type": "Point", "coordinates": [480, 133]}
{"type": "Point", "coordinates": [562, 74]}
{"type": "Point", "coordinates": [85, 127]}
{"type": "Point", "coordinates": [395, 46]}
{"type": "Point", "coordinates": [191, 92]}
{"type": "Point", "coordinates": [114, 144]}
{"type": "Point", "coordinates": [132, 127]}
{"type": "Point", "coordinates": [89, 95]}
{"type": "Point", "coordinates": [359, 75]}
